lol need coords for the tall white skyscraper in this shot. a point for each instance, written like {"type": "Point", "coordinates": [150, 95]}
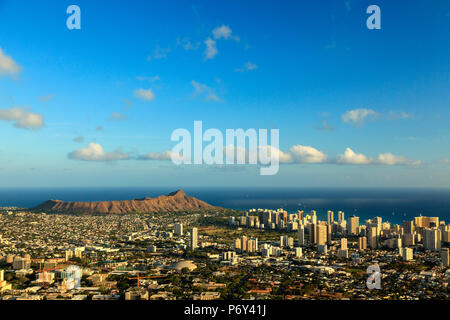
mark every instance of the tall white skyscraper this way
{"type": "Point", "coordinates": [353, 225]}
{"type": "Point", "coordinates": [194, 239]}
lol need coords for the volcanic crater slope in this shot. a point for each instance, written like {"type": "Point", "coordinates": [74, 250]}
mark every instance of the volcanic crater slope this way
{"type": "Point", "coordinates": [173, 202]}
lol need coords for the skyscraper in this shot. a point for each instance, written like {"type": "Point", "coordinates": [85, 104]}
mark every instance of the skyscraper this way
{"type": "Point", "coordinates": [321, 234]}
{"type": "Point", "coordinates": [362, 243]}
{"type": "Point", "coordinates": [330, 217]}
{"type": "Point", "coordinates": [353, 225]}
{"type": "Point", "coordinates": [408, 227]}
{"type": "Point", "coordinates": [432, 239]}
{"type": "Point", "coordinates": [344, 244]}
{"type": "Point", "coordinates": [194, 238]}
{"type": "Point", "coordinates": [372, 237]}
{"type": "Point", "coordinates": [312, 233]}
{"type": "Point", "coordinates": [406, 253]}
{"type": "Point", "coordinates": [178, 229]}
{"type": "Point", "coordinates": [341, 216]}
{"type": "Point", "coordinates": [301, 235]}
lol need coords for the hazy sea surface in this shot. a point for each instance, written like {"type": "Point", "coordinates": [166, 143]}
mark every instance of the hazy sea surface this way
{"type": "Point", "coordinates": [394, 205]}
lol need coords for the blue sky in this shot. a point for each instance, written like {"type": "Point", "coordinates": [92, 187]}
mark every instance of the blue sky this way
{"type": "Point", "coordinates": [310, 68]}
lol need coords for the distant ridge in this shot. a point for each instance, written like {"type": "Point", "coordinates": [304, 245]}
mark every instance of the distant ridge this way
{"type": "Point", "coordinates": [173, 202]}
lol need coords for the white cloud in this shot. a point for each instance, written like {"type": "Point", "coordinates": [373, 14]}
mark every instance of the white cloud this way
{"type": "Point", "coordinates": [358, 116]}
{"type": "Point", "coordinates": [200, 88]}
{"type": "Point", "coordinates": [395, 115]}
{"type": "Point", "coordinates": [307, 154]}
{"type": "Point", "coordinates": [164, 156]}
{"type": "Point", "coordinates": [249, 66]}
{"type": "Point", "coordinates": [46, 98]}
{"type": "Point", "coordinates": [211, 49]}
{"type": "Point", "coordinates": [187, 44]}
{"type": "Point", "coordinates": [224, 32]}
{"type": "Point", "coordinates": [144, 94]}
{"type": "Point", "coordinates": [325, 126]}
{"type": "Point", "coordinates": [151, 79]}
{"type": "Point", "coordinates": [117, 116]}
{"type": "Point", "coordinates": [213, 97]}
{"type": "Point", "coordinates": [158, 53]}
{"type": "Point", "coordinates": [350, 157]}
{"type": "Point", "coordinates": [22, 118]}
{"type": "Point", "coordinates": [94, 152]}
{"type": "Point", "coordinates": [264, 155]}
{"type": "Point", "coordinates": [156, 156]}
{"type": "Point", "coordinates": [8, 66]}
{"type": "Point", "coordinates": [390, 159]}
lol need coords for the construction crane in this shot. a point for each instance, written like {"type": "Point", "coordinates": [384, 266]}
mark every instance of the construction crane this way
{"type": "Point", "coordinates": [44, 270]}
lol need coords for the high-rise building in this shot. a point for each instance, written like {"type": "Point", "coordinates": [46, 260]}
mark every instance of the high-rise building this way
{"type": "Point", "coordinates": [362, 243]}
{"type": "Point", "coordinates": [446, 235]}
{"type": "Point", "coordinates": [312, 233]}
{"type": "Point", "coordinates": [372, 237]}
{"type": "Point", "coordinates": [244, 243]}
{"type": "Point", "coordinates": [406, 253]}
{"type": "Point", "coordinates": [353, 225]}
{"type": "Point", "coordinates": [178, 228]}
{"type": "Point", "coordinates": [237, 244]}
{"type": "Point", "coordinates": [341, 217]}
{"type": "Point", "coordinates": [329, 232]}
{"type": "Point", "coordinates": [445, 257]}
{"type": "Point", "coordinates": [321, 234]}
{"type": "Point", "coordinates": [344, 244]}
{"type": "Point", "coordinates": [301, 235]}
{"type": "Point", "coordinates": [330, 217]}
{"type": "Point", "coordinates": [426, 222]}
{"type": "Point", "coordinates": [408, 239]}
{"type": "Point", "coordinates": [313, 217]}
{"type": "Point", "coordinates": [298, 252]}
{"type": "Point", "coordinates": [432, 239]}
{"type": "Point", "coordinates": [21, 263]}
{"type": "Point", "coordinates": [194, 239]}
{"type": "Point", "coordinates": [284, 241]}
{"type": "Point", "coordinates": [322, 248]}
{"type": "Point", "coordinates": [342, 253]}
{"type": "Point", "coordinates": [408, 227]}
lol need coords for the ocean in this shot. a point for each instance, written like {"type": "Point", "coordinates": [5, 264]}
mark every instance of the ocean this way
{"type": "Point", "coordinates": [394, 205]}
